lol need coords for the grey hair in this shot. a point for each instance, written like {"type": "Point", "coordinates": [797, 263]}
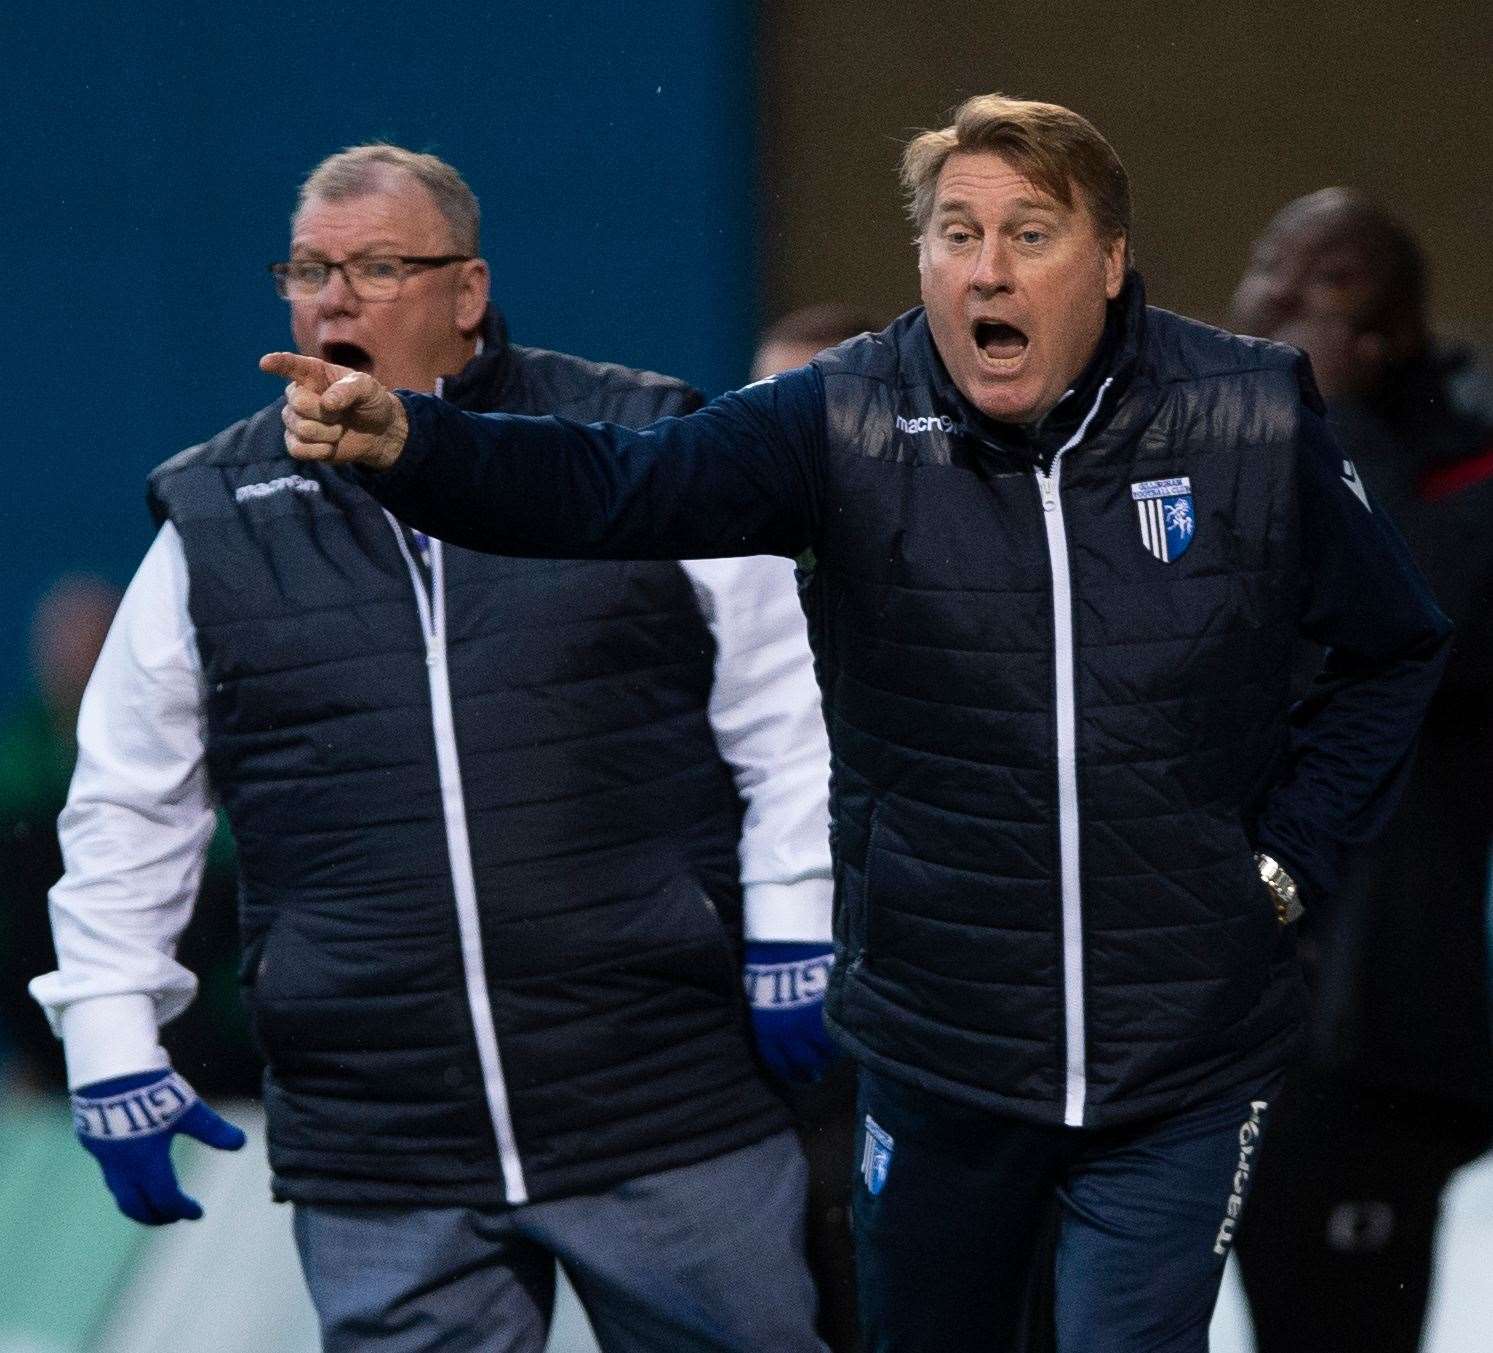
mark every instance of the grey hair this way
{"type": "Point", "coordinates": [357, 170]}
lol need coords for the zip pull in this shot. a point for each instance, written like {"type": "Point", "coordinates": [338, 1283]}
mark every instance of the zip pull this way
{"type": "Point", "coordinates": [1049, 487]}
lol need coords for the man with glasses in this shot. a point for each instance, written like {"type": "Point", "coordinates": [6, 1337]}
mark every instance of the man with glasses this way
{"type": "Point", "coordinates": [503, 1015]}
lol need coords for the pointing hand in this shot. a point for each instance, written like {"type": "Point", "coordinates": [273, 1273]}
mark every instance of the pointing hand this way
{"type": "Point", "coordinates": [337, 414]}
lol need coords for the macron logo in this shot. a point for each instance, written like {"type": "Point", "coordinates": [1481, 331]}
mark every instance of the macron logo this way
{"type": "Point", "coordinates": [939, 424]}
{"type": "Point", "coordinates": [1249, 1140]}
{"type": "Point", "coordinates": [294, 482]}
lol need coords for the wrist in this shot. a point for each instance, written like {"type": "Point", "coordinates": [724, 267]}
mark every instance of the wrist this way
{"type": "Point", "coordinates": [783, 977]}
{"type": "Point", "coordinates": [800, 911]}
{"type": "Point", "coordinates": [394, 440]}
{"type": "Point", "coordinates": [127, 1107]}
{"type": "Point", "coordinates": [108, 1036]}
{"type": "Point", "coordinates": [119, 1085]}
{"type": "Point", "coordinates": [761, 953]}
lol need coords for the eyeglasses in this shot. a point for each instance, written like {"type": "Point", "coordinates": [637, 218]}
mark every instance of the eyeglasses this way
{"type": "Point", "coordinates": [376, 277]}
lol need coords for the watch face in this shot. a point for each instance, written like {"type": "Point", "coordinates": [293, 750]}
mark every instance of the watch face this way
{"type": "Point", "coordinates": [1272, 873]}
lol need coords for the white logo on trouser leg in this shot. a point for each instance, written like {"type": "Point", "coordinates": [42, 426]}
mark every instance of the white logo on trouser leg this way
{"type": "Point", "coordinates": [876, 1156]}
{"type": "Point", "coordinates": [1249, 1139]}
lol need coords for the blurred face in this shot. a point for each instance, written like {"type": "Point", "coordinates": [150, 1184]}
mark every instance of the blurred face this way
{"type": "Point", "coordinates": [1317, 282]}
{"type": "Point", "coordinates": [67, 633]}
{"type": "Point", "coordinates": [1015, 285]}
{"type": "Point", "coordinates": [429, 329]}
{"type": "Point", "coordinates": [780, 355]}
{"type": "Point", "coordinates": [1307, 266]}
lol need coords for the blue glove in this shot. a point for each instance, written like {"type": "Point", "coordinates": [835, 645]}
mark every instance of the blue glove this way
{"type": "Point", "coordinates": [785, 985]}
{"type": "Point", "coordinates": [128, 1122]}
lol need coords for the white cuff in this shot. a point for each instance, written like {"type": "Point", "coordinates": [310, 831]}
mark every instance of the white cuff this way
{"type": "Point", "coordinates": [108, 1036]}
{"type": "Point", "coordinates": [789, 912]}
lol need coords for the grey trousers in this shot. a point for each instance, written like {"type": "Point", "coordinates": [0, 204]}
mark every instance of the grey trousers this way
{"type": "Point", "coordinates": [708, 1257]}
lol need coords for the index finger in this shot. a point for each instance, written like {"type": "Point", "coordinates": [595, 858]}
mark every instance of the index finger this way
{"type": "Point", "coordinates": [311, 372]}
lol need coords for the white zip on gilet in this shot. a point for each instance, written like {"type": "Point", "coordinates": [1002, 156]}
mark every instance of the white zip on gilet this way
{"type": "Point", "coordinates": [463, 880]}
{"type": "Point", "coordinates": [1075, 1047]}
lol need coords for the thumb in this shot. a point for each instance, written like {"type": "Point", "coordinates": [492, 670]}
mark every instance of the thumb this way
{"type": "Point", "coordinates": [210, 1128]}
{"type": "Point", "coordinates": [315, 374]}
{"type": "Point", "coordinates": [350, 391]}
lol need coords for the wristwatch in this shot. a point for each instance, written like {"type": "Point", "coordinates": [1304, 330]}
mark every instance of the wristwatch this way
{"type": "Point", "coordinates": [1282, 887]}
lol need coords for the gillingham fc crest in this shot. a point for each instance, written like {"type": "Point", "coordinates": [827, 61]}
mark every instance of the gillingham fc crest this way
{"type": "Point", "coordinates": [1167, 523]}
{"type": "Point", "coordinates": [876, 1156]}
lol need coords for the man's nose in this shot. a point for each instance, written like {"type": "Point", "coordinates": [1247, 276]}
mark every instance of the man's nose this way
{"type": "Point", "coordinates": [336, 297]}
{"type": "Point", "coordinates": [992, 273]}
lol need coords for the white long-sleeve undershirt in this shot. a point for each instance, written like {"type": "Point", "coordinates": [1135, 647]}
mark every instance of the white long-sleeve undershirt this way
{"type": "Point", "coordinates": [140, 811]}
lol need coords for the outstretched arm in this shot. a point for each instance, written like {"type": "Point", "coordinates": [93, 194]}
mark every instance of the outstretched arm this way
{"type": "Point", "coordinates": [739, 477]}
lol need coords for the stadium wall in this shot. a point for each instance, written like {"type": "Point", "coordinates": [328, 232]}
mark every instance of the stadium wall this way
{"type": "Point", "coordinates": [151, 155]}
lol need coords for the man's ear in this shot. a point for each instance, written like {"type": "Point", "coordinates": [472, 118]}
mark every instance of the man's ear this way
{"type": "Point", "coordinates": [1116, 255]}
{"type": "Point", "coordinates": [472, 295]}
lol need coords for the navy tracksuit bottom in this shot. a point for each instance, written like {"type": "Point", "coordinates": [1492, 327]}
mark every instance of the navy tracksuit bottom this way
{"type": "Point", "coordinates": [952, 1202]}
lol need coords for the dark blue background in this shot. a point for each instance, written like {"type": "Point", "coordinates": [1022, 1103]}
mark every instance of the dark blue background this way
{"type": "Point", "coordinates": [149, 165]}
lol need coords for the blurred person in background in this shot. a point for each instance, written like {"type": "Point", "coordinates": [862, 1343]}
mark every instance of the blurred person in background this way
{"type": "Point", "coordinates": [794, 339]}
{"type": "Point", "coordinates": [504, 1015]}
{"type": "Point", "coordinates": [38, 749]}
{"type": "Point", "coordinates": [1396, 1091]}
{"type": "Point", "coordinates": [824, 1111]}
{"type": "Point", "coordinates": [1063, 548]}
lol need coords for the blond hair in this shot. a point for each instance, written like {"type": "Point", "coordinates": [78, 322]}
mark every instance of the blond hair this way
{"type": "Point", "coordinates": [358, 169]}
{"type": "Point", "coordinates": [1052, 146]}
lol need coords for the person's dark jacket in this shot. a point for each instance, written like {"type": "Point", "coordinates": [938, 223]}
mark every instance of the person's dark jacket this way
{"type": "Point", "coordinates": [1402, 991]}
{"type": "Point", "coordinates": [1056, 682]}
{"type": "Point", "coordinates": [490, 899]}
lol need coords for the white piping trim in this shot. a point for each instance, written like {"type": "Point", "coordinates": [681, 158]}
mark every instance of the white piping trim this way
{"type": "Point", "coordinates": [1075, 1050]}
{"type": "Point", "coordinates": [459, 848]}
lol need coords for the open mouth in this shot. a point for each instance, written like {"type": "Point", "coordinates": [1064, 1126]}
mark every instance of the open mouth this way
{"type": "Point", "coordinates": [999, 341]}
{"type": "Point", "coordinates": [347, 354]}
